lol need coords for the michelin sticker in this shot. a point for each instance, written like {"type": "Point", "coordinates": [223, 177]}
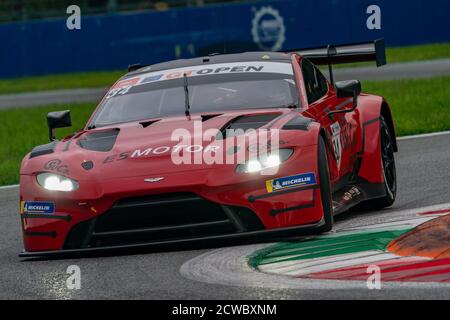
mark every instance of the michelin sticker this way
{"type": "Point", "coordinates": [37, 207]}
{"type": "Point", "coordinates": [268, 29]}
{"type": "Point", "coordinates": [291, 181]}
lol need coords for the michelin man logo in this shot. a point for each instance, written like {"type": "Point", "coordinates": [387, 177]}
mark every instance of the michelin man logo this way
{"type": "Point", "coordinates": [268, 29]}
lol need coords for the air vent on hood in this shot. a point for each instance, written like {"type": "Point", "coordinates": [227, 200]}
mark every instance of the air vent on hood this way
{"type": "Point", "coordinates": [298, 123]}
{"type": "Point", "coordinates": [245, 123]}
{"type": "Point", "coordinates": [43, 149]}
{"type": "Point", "coordinates": [99, 141]}
{"type": "Point", "coordinates": [145, 124]}
{"type": "Point", "coordinates": [206, 117]}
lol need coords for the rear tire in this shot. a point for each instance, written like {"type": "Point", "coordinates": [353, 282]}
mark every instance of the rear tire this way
{"type": "Point", "coordinates": [389, 172]}
{"type": "Point", "coordinates": [325, 187]}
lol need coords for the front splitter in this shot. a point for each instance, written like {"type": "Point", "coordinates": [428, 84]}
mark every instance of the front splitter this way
{"type": "Point", "coordinates": [253, 236]}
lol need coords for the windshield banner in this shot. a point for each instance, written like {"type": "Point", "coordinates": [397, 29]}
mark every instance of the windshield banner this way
{"type": "Point", "coordinates": [204, 70]}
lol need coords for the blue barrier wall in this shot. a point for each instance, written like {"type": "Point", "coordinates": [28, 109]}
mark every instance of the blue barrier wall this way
{"type": "Point", "coordinates": [113, 41]}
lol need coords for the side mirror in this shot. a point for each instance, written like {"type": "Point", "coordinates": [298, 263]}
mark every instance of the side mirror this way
{"type": "Point", "coordinates": [349, 88]}
{"type": "Point", "coordinates": [57, 119]}
{"type": "Point", "coordinates": [346, 89]}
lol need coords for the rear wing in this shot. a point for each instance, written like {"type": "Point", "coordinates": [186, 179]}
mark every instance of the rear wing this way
{"type": "Point", "coordinates": [349, 53]}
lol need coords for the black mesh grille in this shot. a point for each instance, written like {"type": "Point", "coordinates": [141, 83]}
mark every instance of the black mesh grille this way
{"type": "Point", "coordinates": [159, 211]}
{"type": "Point", "coordinates": [154, 218]}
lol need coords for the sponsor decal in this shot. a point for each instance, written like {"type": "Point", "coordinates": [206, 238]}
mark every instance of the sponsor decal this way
{"type": "Point", "coordinates": [346, 197]}
{"type": "Point", "coordinates": [126, 83]}
{"type": "Point", "coordinates": [118, 91]}
{"type": "Point", "coordinates": [194, 148]}
{"type": "Point", "coordinates": [37, 207]}
{"type": "Point", "coordinates": [161, 150]}
{"type": "Point", "coordinates": [291, 181]}
{"type": "Point", "coordinates": [122, 87]}
{"type": "Point", "coordinates": [117, 157]}
{"type": "Point", "coordinates": [336, 140]}
{"type": "Point", "coordinates": [152, 78]}
{"type": "Point", "coordinates": [351, 194]}
{"type": "Point", "coordinates": [202, 147]}
{"type": "Point", "coordinates": [213, 69]}
{"type": "Point", "coordinates": [56, 165]}
{"type": "Point", "coordinates": [268, 29]}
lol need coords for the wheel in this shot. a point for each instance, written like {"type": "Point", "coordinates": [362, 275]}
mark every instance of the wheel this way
{"type": "Point", "coordinates": [325, 187]}
{"type": "Point", "coordinates": [389, 172]}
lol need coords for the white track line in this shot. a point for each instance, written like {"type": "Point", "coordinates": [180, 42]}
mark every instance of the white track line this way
{"type": "Point", "coordinates": [9, 187]}
{"type": "Point", "coordinates": [425, 135]}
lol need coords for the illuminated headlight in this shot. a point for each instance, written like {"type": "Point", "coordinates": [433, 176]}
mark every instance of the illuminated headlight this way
{"type": "Point", "coordinates": [265, 162]}
{"type": "Point", "coordinates": [55, 182]}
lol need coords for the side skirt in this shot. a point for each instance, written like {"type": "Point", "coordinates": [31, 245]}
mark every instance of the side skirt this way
{"type": "Point", "coordinates": [355, 193]}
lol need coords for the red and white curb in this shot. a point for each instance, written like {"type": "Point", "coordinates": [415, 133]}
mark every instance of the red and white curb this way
{"type": "Point", "coordinates": [229, 266]}
{"type": "Point", "coordinates": [353, 266]}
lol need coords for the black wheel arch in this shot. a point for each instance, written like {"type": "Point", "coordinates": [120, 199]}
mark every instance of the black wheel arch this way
{"type": "Point", "coordinates": [387, 115]}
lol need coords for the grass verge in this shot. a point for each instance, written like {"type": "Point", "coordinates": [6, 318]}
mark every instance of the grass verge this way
{"type": "Point", "coordinates": [60, 81]}
{"type": "Point", "coordinates": [408, 54]}
{"type": "Point", "coordinates": [107, 78]}
{"type": "Point", "coordinates": [22, 129]}
{"type": "Point", "coordinates": [418, 106]}
{"type": "Point", "coordinates": [418, 53]}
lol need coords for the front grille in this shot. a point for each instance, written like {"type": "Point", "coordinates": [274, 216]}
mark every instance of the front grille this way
{"type": "Point", "coordinates": [154, 218]}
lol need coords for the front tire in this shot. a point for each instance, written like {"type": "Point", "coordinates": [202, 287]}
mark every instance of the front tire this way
{"type": "Point", "coordinates": [389, 172]}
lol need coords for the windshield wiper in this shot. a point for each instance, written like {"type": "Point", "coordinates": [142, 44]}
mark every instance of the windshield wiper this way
{"type": "Point", "coordinates": [187, 106]}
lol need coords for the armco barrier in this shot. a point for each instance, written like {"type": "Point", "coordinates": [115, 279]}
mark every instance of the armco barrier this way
{"type": "Point", "coordinates": [114, 41]}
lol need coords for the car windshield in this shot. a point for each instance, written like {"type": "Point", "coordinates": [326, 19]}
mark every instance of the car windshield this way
{"type": "Point", "coordinates": [211, 88]}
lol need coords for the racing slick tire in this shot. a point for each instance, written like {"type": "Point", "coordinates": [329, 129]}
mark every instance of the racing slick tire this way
{"type": "Point", "coordinates": [389, 172]}
{"type": "Point", "coordinates": [325, 187]}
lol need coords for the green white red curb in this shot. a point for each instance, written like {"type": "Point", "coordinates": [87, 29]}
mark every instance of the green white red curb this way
{"type": "Point", "coordinates": [347, 255]}
{"type": "Point", "coordinates": [230, 266]}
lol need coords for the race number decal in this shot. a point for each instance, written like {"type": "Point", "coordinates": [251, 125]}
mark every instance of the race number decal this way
{"type": "Point", "coordinates": [118, 91]}
{"type": "Point", "coordinates": [336, 140]}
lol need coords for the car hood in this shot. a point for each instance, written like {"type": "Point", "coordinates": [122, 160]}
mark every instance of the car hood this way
{"type": "Point", "coordinates": [153, 147]}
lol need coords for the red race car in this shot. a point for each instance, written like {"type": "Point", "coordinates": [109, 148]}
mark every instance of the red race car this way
{"type": "Point", "coordinates": [217, 147]}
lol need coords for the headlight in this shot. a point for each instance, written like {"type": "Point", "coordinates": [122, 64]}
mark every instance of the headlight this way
{"type": "Point", "coordinates": [265, 162]}
{"type": "Point", "coordinates": [55, 182]}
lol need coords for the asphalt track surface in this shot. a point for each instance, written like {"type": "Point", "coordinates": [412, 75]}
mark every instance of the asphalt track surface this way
{"type": "Point", "coordinates": [423, 69]}
{"type": "Point", "coordinates": [423, 174]}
